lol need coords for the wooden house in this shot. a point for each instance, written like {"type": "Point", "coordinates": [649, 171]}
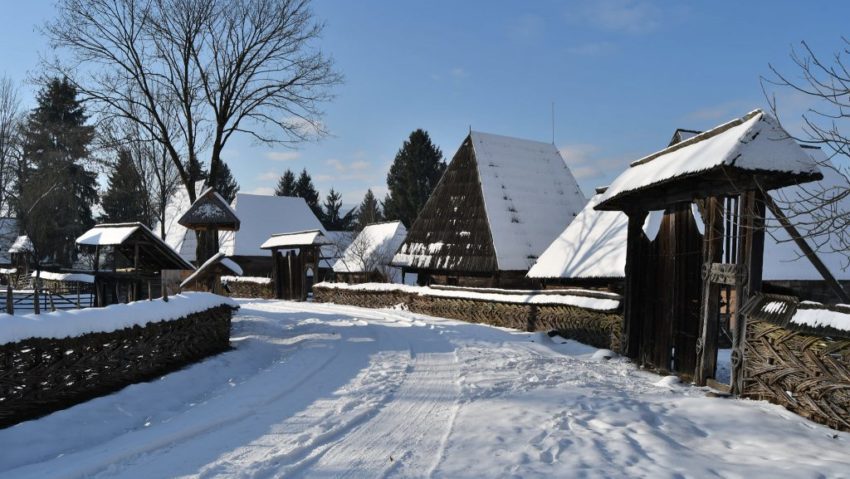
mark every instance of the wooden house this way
{"type": "Point", "coordinates": [696, 212]}
{"type": "Point", "coordinates": [368, 258]}
{"type": "Point", "coordinates": [129, 262]}
{"type": "Point", "coordinates": [499, 204]}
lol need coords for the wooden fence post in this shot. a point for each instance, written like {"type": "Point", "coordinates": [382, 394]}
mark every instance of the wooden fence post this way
{"type": "Point", "coordinates": [10, 303]}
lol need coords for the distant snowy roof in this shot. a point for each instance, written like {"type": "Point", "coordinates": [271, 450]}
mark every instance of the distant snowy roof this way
{"type": "Point", "coordinates": [292, 240]}
{"type": "Point", "coordinates": [755, 142]}
{"type": "Point", "coordinates": [261, 217]}
{"type": "Point", "coordinates": [8, 234]}
{"type": "Point", "coordinates": [592, 246]}
{"type": "Point", "coordinates": [374, 246]}
{"type": "Point", "coordinates": [529, 193]}
{"type": "Point", "coordinates": [108, 235]}
{"type": "Point", "coordinates": [177, 236]}
{"type": "Point", "coordinates": [22, 244]}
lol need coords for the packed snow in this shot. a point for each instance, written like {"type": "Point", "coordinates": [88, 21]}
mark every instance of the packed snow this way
{"type": "Point", "coordinates": [759, 143]}
{"type": "Point", "coordinates": [317, 390]}
{"type": "Point", "coordinates": [76, 322]}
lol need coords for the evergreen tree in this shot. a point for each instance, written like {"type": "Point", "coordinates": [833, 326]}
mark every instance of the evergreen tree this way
{"type": "Point", "coordinates": [286, 184]}
{"type": "Point", "coordinates": [124, 198]}
{"type": "Point", "coordinates": [225, 184]}
{"type": "Point", "coordinates": [332, 207]}
{"type": "Point", "coordinates": [56, 191]}
{"type": "Point", "coordinates": [368, 212]}
{"type": "Point", "coordinates": [304, 189]}
{"type": "Point", "coordinates": [415, 171]}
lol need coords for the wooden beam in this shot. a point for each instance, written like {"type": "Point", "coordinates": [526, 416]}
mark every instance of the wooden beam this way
{"type": "Point", "coordinates": [633, 310]}
{"type": "Point", "coordinates": [710, 305]}
{"type": "Point", "coordinates": [806, 249]}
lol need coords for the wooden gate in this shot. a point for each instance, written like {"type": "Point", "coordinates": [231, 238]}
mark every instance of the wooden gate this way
{"type": "Point", "coordinates": [668, 302]}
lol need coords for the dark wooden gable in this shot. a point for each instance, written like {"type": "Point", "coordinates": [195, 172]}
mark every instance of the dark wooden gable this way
{"type": "Point", "coordinates": [147, 252]}
{"type": "Point", "coordinates": [210, 211]}
{"type": "Point", "coordinates": [452, 233]}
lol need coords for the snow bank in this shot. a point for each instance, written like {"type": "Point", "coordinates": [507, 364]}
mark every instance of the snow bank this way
{"type": "Point", "coordinates": [520, 297]}
{"type": "Point", "coordinates": [73, 323]}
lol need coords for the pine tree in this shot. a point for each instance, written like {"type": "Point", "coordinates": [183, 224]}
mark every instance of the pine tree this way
{"type": "Point", "coordinates": [124, 198]}
{"type": "Point", "coordinates": [304, 189]}
{"type": "Point", "coordinates": [286, 184]}
{"type": "Point", "coordinates": [417, 168]}
{"type": "Point", "coordinates": [56, 191]}
{"type": "Point", "coordinates": [332, 208]}
{"type": "Point", "coordinates": [368, 212]}
{"type": "Point", "coordinates": [225, 184]}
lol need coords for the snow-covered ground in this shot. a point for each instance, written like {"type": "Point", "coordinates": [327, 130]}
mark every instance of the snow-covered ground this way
{"type": "Point", "coordinates": [317, 390]}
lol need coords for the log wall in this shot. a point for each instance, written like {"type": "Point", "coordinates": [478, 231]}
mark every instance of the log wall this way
{"type": "Point", "coordinates": [596, 328]}
{"type": "Point", "coordinates": [42, 375]}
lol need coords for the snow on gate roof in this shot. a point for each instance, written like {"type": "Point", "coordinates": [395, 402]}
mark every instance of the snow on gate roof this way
{"type": "Point", "coordinates": [530, 195]}
{"type": "Point", "coordinates": [296, 239]}
{"type": "Point", "coordinates": [755, 142]}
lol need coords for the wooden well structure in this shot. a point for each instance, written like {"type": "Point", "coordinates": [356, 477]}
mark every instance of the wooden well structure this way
{"type": "Point", "coordinates": [696, 213]}
{"type": "Point", "coordinates": [129, 262]}
{"type": "Point", "coordinates": [209, 214]}
{"type": "Point", "coordinates": [293, 255]}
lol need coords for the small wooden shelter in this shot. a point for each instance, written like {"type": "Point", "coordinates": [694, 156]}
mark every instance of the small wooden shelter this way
{"type": "Point", "coordinates": [129, 262]}
{"type": "Point", "coordinates": [499, 204]}
{"type": "Point", "coordinates": [368, 257]}
{"type": "Point", "coordinates": [208, 276]}
{"type": "Point", "coordinates": [677, 264]}
{"type": "Point", "coordinates": [209, 214]}
{"type": "Point", "coordinates": [293, 256]}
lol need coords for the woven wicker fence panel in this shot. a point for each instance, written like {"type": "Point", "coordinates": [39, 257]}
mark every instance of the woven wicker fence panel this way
{"type": "Point", "coordinates": [245, 289]}
{"type": "Point", "coordinates": [596, 328]}
{"type": "Point", "coordinates": [505, 315]}
{"type": "Point", "coordinates": [809, 375]}
{"type": "Point", "coordinates": [39, 375]}
{"type": "Point", "coordinates": [365, 299]}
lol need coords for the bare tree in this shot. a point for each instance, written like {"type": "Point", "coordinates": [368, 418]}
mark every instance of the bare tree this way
{"type": "Point", "coordinates": [214, 67]}
{"type": "Point", "coordinates": [366, 255]}
{"type": "Point", "coordinates": [819, 210]}
{"type": "Point", "coordinates": [10, 117]}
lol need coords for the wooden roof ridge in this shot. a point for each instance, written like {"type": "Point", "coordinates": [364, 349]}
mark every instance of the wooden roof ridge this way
{"type": "Point", "coordinates": [314, 230]}
{"type": "Point", "coordinates": [223, 216]}
{"type": "Point", "coordinates": [698, 138]}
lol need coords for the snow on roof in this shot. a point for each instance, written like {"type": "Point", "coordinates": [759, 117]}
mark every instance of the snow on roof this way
{"type": "Point", "coordinates": [108, 234]}
{"type": "Point", "coordinates": [261, 217]}
{"type": "Point", "coordinates": [374, 246]}
{"type": "Point", "coordinates": [177, 236]}
{"type": "Point", "coordinates": [529, 193]}
{"type": "Point", "coordinates": [754, 142]}
{"type": "Point", "coordinates": [217, 258]}
{"type": "Point", "coordinates": [22, 244]}
{"type": "Point", "coordinates": [592, 246]}
{"type": "Point", "coordinates": [291, 240]}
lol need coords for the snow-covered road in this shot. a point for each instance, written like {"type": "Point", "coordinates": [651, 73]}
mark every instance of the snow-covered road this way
{"type": "Point", "coordinates": [316, 390]}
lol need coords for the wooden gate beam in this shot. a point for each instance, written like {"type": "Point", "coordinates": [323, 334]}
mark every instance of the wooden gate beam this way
{"type": "Point", "coordinates": [806, 249]}
{"type": "Point", "coordinates": [710, 306]}
{"type": "Point", "coordinates": [635, 286]}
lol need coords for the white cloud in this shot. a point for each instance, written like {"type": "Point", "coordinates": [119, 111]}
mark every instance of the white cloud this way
{"type": "Point", "coordinates": [459, 73]}
{"type": "Point", "coordinates": [262, 190]}
{"type": "Point", "coordinates": [720, 112]}
{"type": "Point", "coordinates": [624, 16]}
{"type": "Point", "coordinates": [283, 155]}
{"type": "Point", "coordinates": [268, 176]}
{"type": "Point", "coordinates": [527, 28]}
{"type": "Point", "coordinates": [590, 167]}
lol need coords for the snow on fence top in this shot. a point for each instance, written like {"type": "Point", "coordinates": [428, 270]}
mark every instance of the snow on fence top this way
{"type": "Point", "coordinates": [261, 216]}
{"type": "Point", "coordinates": [246, 279]}
{"type": "Point", "coordinates": [65, 277]}
{"type": "Point", "coordinates": [587, 299]}
{"type": "Point", "coordinates": [530, 196]}
{"type": "Point", "coordinates": [755, 142]}
{"type": "Point", "coordinates": [372, 248]}
{"type": "Point", "coordinates": [77, 322]}
{"type": "Point", "coordinates": [805, 316]}
{"type": "Point", "coordinates": [592, 246]}
{"type": "Point", "coordinates": [294, 240]}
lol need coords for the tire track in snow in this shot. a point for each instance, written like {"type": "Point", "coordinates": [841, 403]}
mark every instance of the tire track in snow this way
{"type": "Point", "coordinates": [401, 439]}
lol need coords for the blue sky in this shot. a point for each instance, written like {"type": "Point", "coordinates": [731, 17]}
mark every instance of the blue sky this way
{"type": "Point", "coordinates": [622, 74]}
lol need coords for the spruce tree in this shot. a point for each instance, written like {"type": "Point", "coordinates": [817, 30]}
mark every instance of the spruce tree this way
{"type": "Point", "coordinates": [332, 208]}
{"type": "Point", "coordinates": [56, 191]}
{"type": "Point", "coordinates": [415, 171]}
{"type": "Point", "coordinates": [286, 184]}
{"type": "Point", "coordinates": [304, 189]}
{"type": "Point", "coordinates": [368, 212]}
{"type": "Point", "coordinates": [124, 198]}
{"type": "Point", "coordinates": [225, 184]}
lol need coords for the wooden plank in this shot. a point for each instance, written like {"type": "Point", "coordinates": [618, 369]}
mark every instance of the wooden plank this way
{"type": "Point", "coordinates": [710, 302]}
{"type": "Point", "coordinates": [806, 249]}
{"type": "Point", "coordinates": [634, 287]}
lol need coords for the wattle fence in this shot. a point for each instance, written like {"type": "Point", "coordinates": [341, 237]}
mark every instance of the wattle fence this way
{"type": "Point", "coordinates": [592, 317]}
{"type": "Point", "coordinates": [52, 361]}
